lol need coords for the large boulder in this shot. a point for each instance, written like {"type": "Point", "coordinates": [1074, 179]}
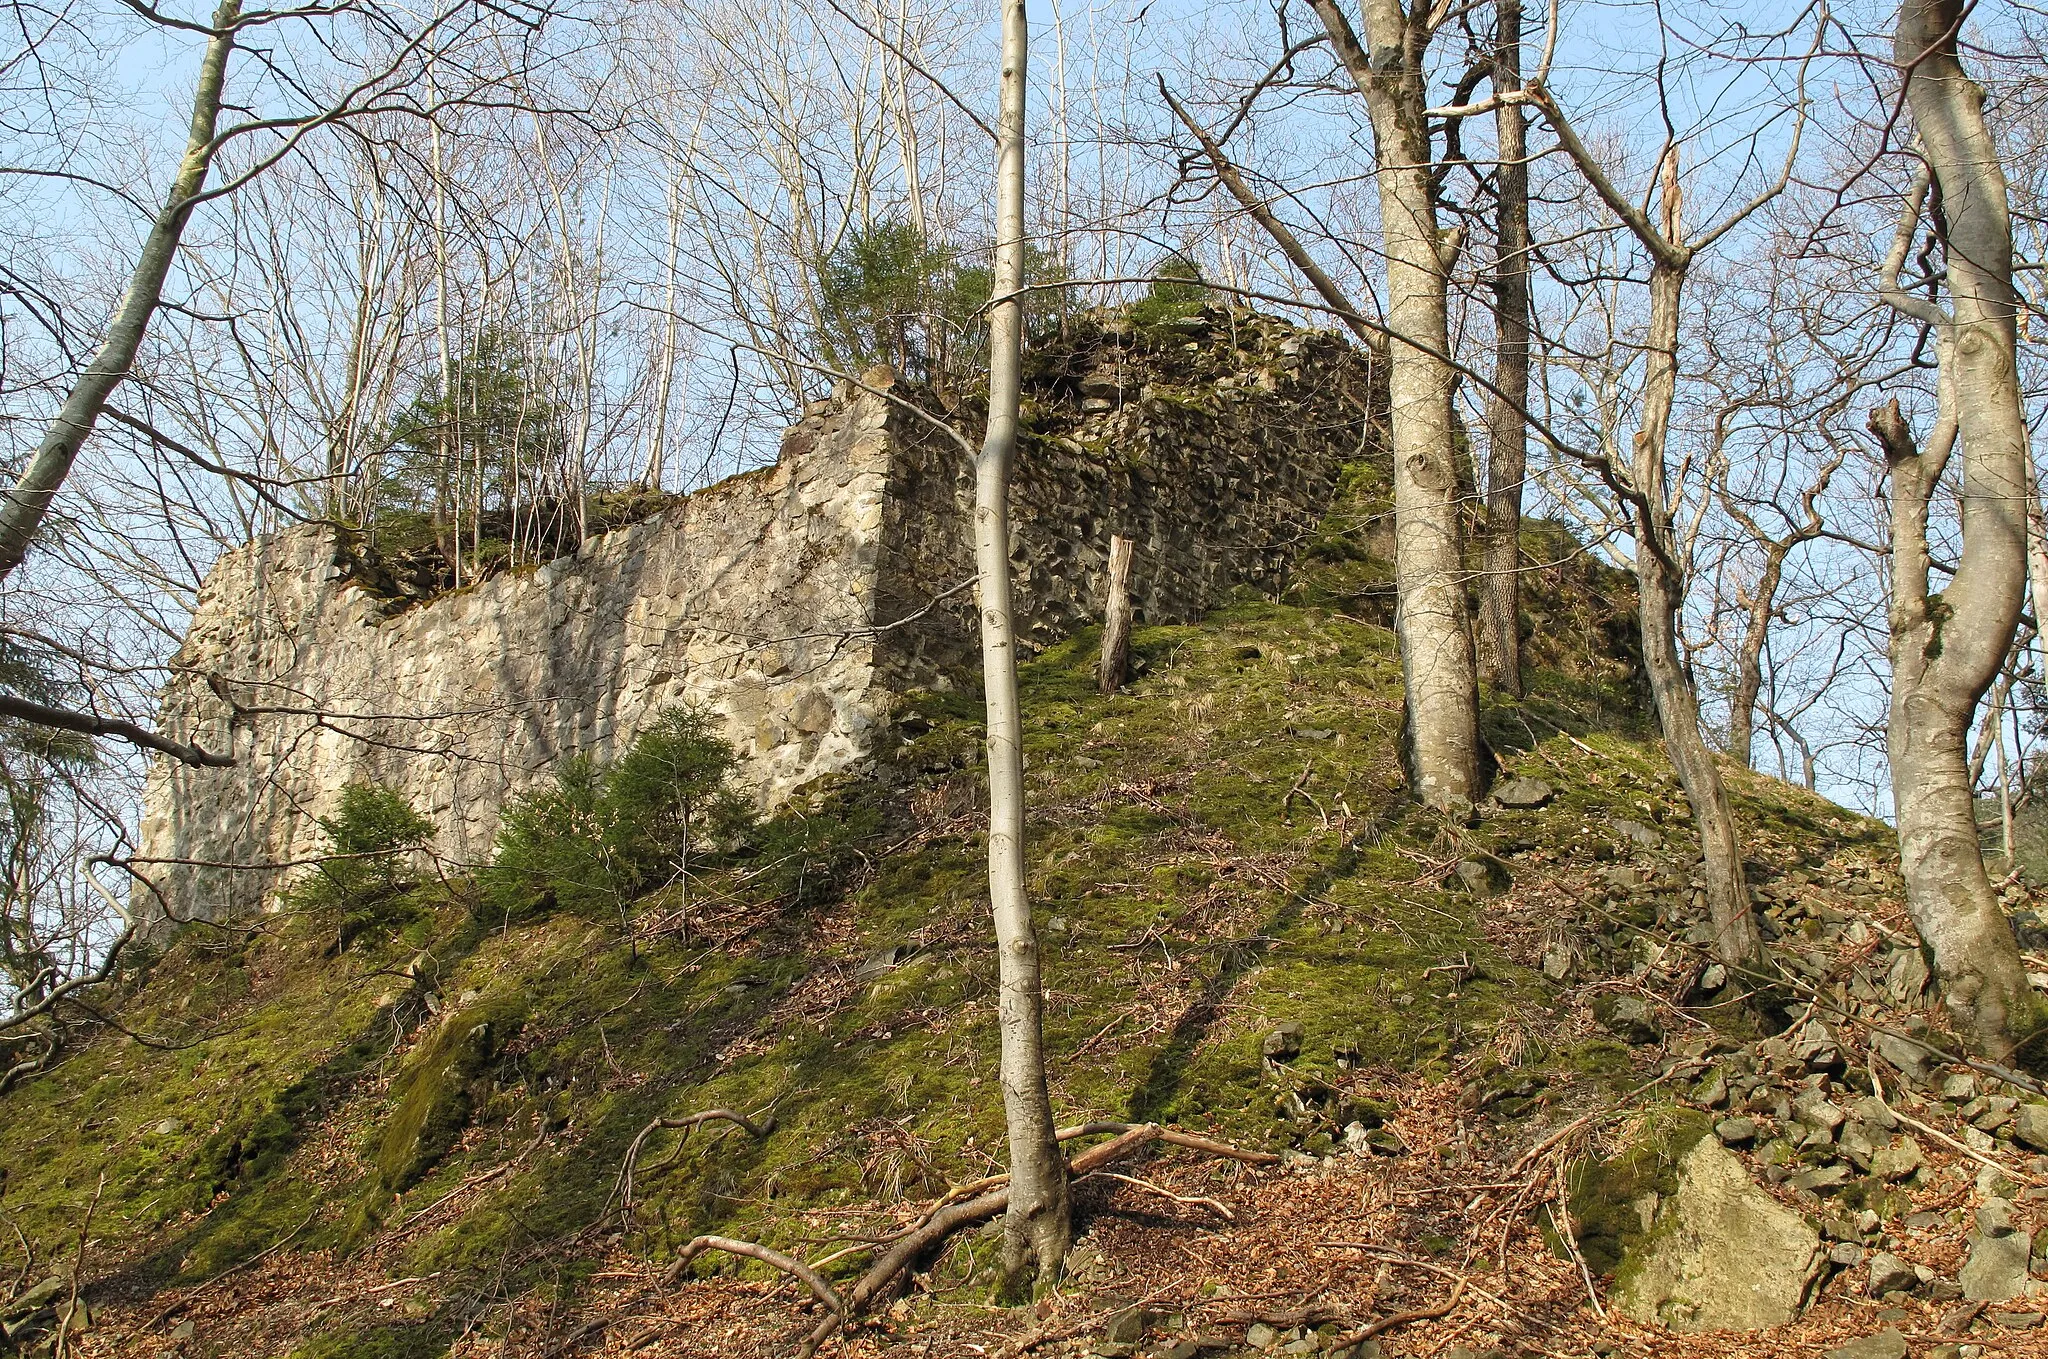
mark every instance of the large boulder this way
{"type": "Point", "coordinates": [1719, 1254]}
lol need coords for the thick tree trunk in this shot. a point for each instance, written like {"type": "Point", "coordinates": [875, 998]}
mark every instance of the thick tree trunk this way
{"type": "Point", "coordinates": [1115, 665]}
{"type": "Point", "coordinates": [1038, 1227]}
{"type": "Point", "coordinates": [1432, 619]}
{"type": "Point", "coordinates": [33, 491]}
{"type": "Point", "coordinates": [1946, 649]}
{"type": "Point", "coordinates": [1661, 592]}
{"type": "Point", "coordinates": [1507, 431]}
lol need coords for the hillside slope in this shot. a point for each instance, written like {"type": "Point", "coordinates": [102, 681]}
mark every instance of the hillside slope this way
{"type": "Point", "coordinates": [412, 1147]}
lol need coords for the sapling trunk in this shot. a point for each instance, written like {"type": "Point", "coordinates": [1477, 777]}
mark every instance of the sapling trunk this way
{"type": "Point", "coordinates": [1037, 1225]}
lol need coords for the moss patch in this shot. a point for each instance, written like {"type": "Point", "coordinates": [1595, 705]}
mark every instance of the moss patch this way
{"type": "Point", "coordinates": [1612, 1201]}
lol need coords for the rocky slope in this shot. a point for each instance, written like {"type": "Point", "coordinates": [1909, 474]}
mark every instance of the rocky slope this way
{"type": "Point", "coordinates": [1517, 1111]}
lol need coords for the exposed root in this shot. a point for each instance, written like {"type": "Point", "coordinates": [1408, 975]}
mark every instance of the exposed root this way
{"type": "Point", "coordinates": [835, 1309]}
{"type": "Point", "coordinates": [1384, 1324]}
{"type": "Point", "coordinates": [950, 1214]}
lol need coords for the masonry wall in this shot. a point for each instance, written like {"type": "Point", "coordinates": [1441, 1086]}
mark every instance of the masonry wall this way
{"type": "Point", "coordinates": [796, 602]}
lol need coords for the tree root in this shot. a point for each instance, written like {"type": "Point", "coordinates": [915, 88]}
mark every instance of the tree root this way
{"type": "Point", "coordinates": [962, 1207]}
{"type": "Point", "coordinates": [1384, 1324]}
{"type": "Point", "coordinates": [835, 1309]}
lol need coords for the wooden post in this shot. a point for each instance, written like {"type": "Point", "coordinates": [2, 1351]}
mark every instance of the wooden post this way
{"type": "Point", "coordinates": [1116, 619]}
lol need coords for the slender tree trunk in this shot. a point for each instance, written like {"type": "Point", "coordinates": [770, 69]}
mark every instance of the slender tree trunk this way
{"type": "Point", "coordinates": [1432, 619]}
{"type": "Point", "coordinates": [1507, 431]}
{"type": "Point", "coordinates": [1749, 659]}
{"type": "Point", "coordinates": [2037, 566]}
{"type": "Point", "coordinates": [2004, 781]}
{"type": "Point", "coordinates": [1038, 1227]}
{"type": "Point", "coordinates": [1661, 591]}
{"type": "Point", "coordinates": [28, 501]}
{"type": "Point", "coordinates": [1115, 665]}
{"type": "Point", "coordinates": [1946, 650]}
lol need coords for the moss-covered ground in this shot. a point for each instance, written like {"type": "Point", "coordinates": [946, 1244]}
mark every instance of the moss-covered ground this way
{"type": "Point", "coordinates": [1222, 848]}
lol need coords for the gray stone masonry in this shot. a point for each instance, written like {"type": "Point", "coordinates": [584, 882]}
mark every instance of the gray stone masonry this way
{"type": "Point", "coordinates": [797, 601]}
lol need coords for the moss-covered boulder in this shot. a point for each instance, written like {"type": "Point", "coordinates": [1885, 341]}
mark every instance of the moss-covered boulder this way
{"type": "Point", "coordinates": [1715, 1252]}
{"type": "Point", "coordinates": [439, 1090]}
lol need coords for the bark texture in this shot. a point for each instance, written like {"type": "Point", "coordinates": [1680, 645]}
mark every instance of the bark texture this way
{"type": "Point", "coordinates": [1115, 664]}
{"type": "Point", "coordinates": [1432, 618]}
{"type": "Point", "coordinates": [28, 501]}
{"type": "Point", "coordinates": [1037, 1228]}
{"type": "Point", "coordinates": [1507, 426]}
{"type": "Point", "coordinates": [1946, 649]}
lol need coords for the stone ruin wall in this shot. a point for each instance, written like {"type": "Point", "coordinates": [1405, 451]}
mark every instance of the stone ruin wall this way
{"type": "Point", "coordinates": [778, 598]}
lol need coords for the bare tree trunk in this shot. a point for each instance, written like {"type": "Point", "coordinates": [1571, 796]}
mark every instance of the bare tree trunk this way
{"type": "Point", "coordinates": [1661, 587]}
{"type": "Point", "coordinates": [1947, 650]}
{"type": "Point", "coordinates": [1507, 426]}
{"type": "Point", "coordinates": [1038, 1227]}
{"type": "Point", "coordinates": [1749, 658]}
{"type": "Point", "coordinates": [2037, 566]}
{"type": "Point", "coordinates": [1432, 619]}
{"type": "Point", "coordinates": [28, 501]}
{"type": "Point", "coordinates": [2004, 781]}
{"type": "Point", "coordinates": [1115, 664]}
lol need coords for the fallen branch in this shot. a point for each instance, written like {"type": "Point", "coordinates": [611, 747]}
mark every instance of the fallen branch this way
{"type": "Point", "coordinates": [1877, 1089]}
{"type": "Point", "coordinates": [1315, 1314]}
{"type": "Point", "coordinates": [622, 1188]}
{"type": "Point", "coordinates": [1213, 1205]}
{"type": "Point", "coordinates": [180, 1304]}
{"type": "Point", "coordinates": [1561, 1217]}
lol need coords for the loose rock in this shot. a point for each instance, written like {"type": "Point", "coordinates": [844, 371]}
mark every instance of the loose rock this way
{"type": "Point", "coordinates": [1883, 1345]}
{"type": "Point", "coordinates": [1997, 1268]}
{"type": "Point", "coordinates": [1724, 1255]}
{"type": "Point", "coordinates": [2030, 1126]}
{"type": "Point", "coordinates": [1521, 793]}
{"type": "Point", "coordinates": [1283, 1044]}
{"type": "Point", "coordinates": [1890, 1274]}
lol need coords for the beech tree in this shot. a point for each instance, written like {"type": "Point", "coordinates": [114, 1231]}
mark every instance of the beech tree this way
{"type": "Point", "coordinates": [1947, 647]}
{"type": "Point", "coordinates": [1038, 1225]}
{"type": "Point", "coordinates": [1649, 498]}
{"type": "Point", "coordinates": [1433, 620]}
{"type": "Point", "coordinates": [1507, 419]}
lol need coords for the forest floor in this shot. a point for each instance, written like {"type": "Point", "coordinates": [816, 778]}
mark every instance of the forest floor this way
{"type": "Point", "coordinates": [412, 1147]}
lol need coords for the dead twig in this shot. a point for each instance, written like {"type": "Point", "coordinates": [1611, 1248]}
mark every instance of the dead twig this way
{"type": "Point", "coordinates": [28, 1261]}
{"type": "Point", "coordinates": [1212, 1205]}
{"type": "Point", "coordinates": [1442, 1271]}
{"type": "Point", "coordinates": [1682, 1069]}
{"type": "Point", "coordinates": [622, 1188]}
{"type": "Point", "coordinates": [372, 1292]}
{"type": "Point", "coordinates": [273, 1248]}
{"type": "Point", "coordinates": [1561, 1214]}
{"type": "Point", "coordinates": [66, 1321]}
